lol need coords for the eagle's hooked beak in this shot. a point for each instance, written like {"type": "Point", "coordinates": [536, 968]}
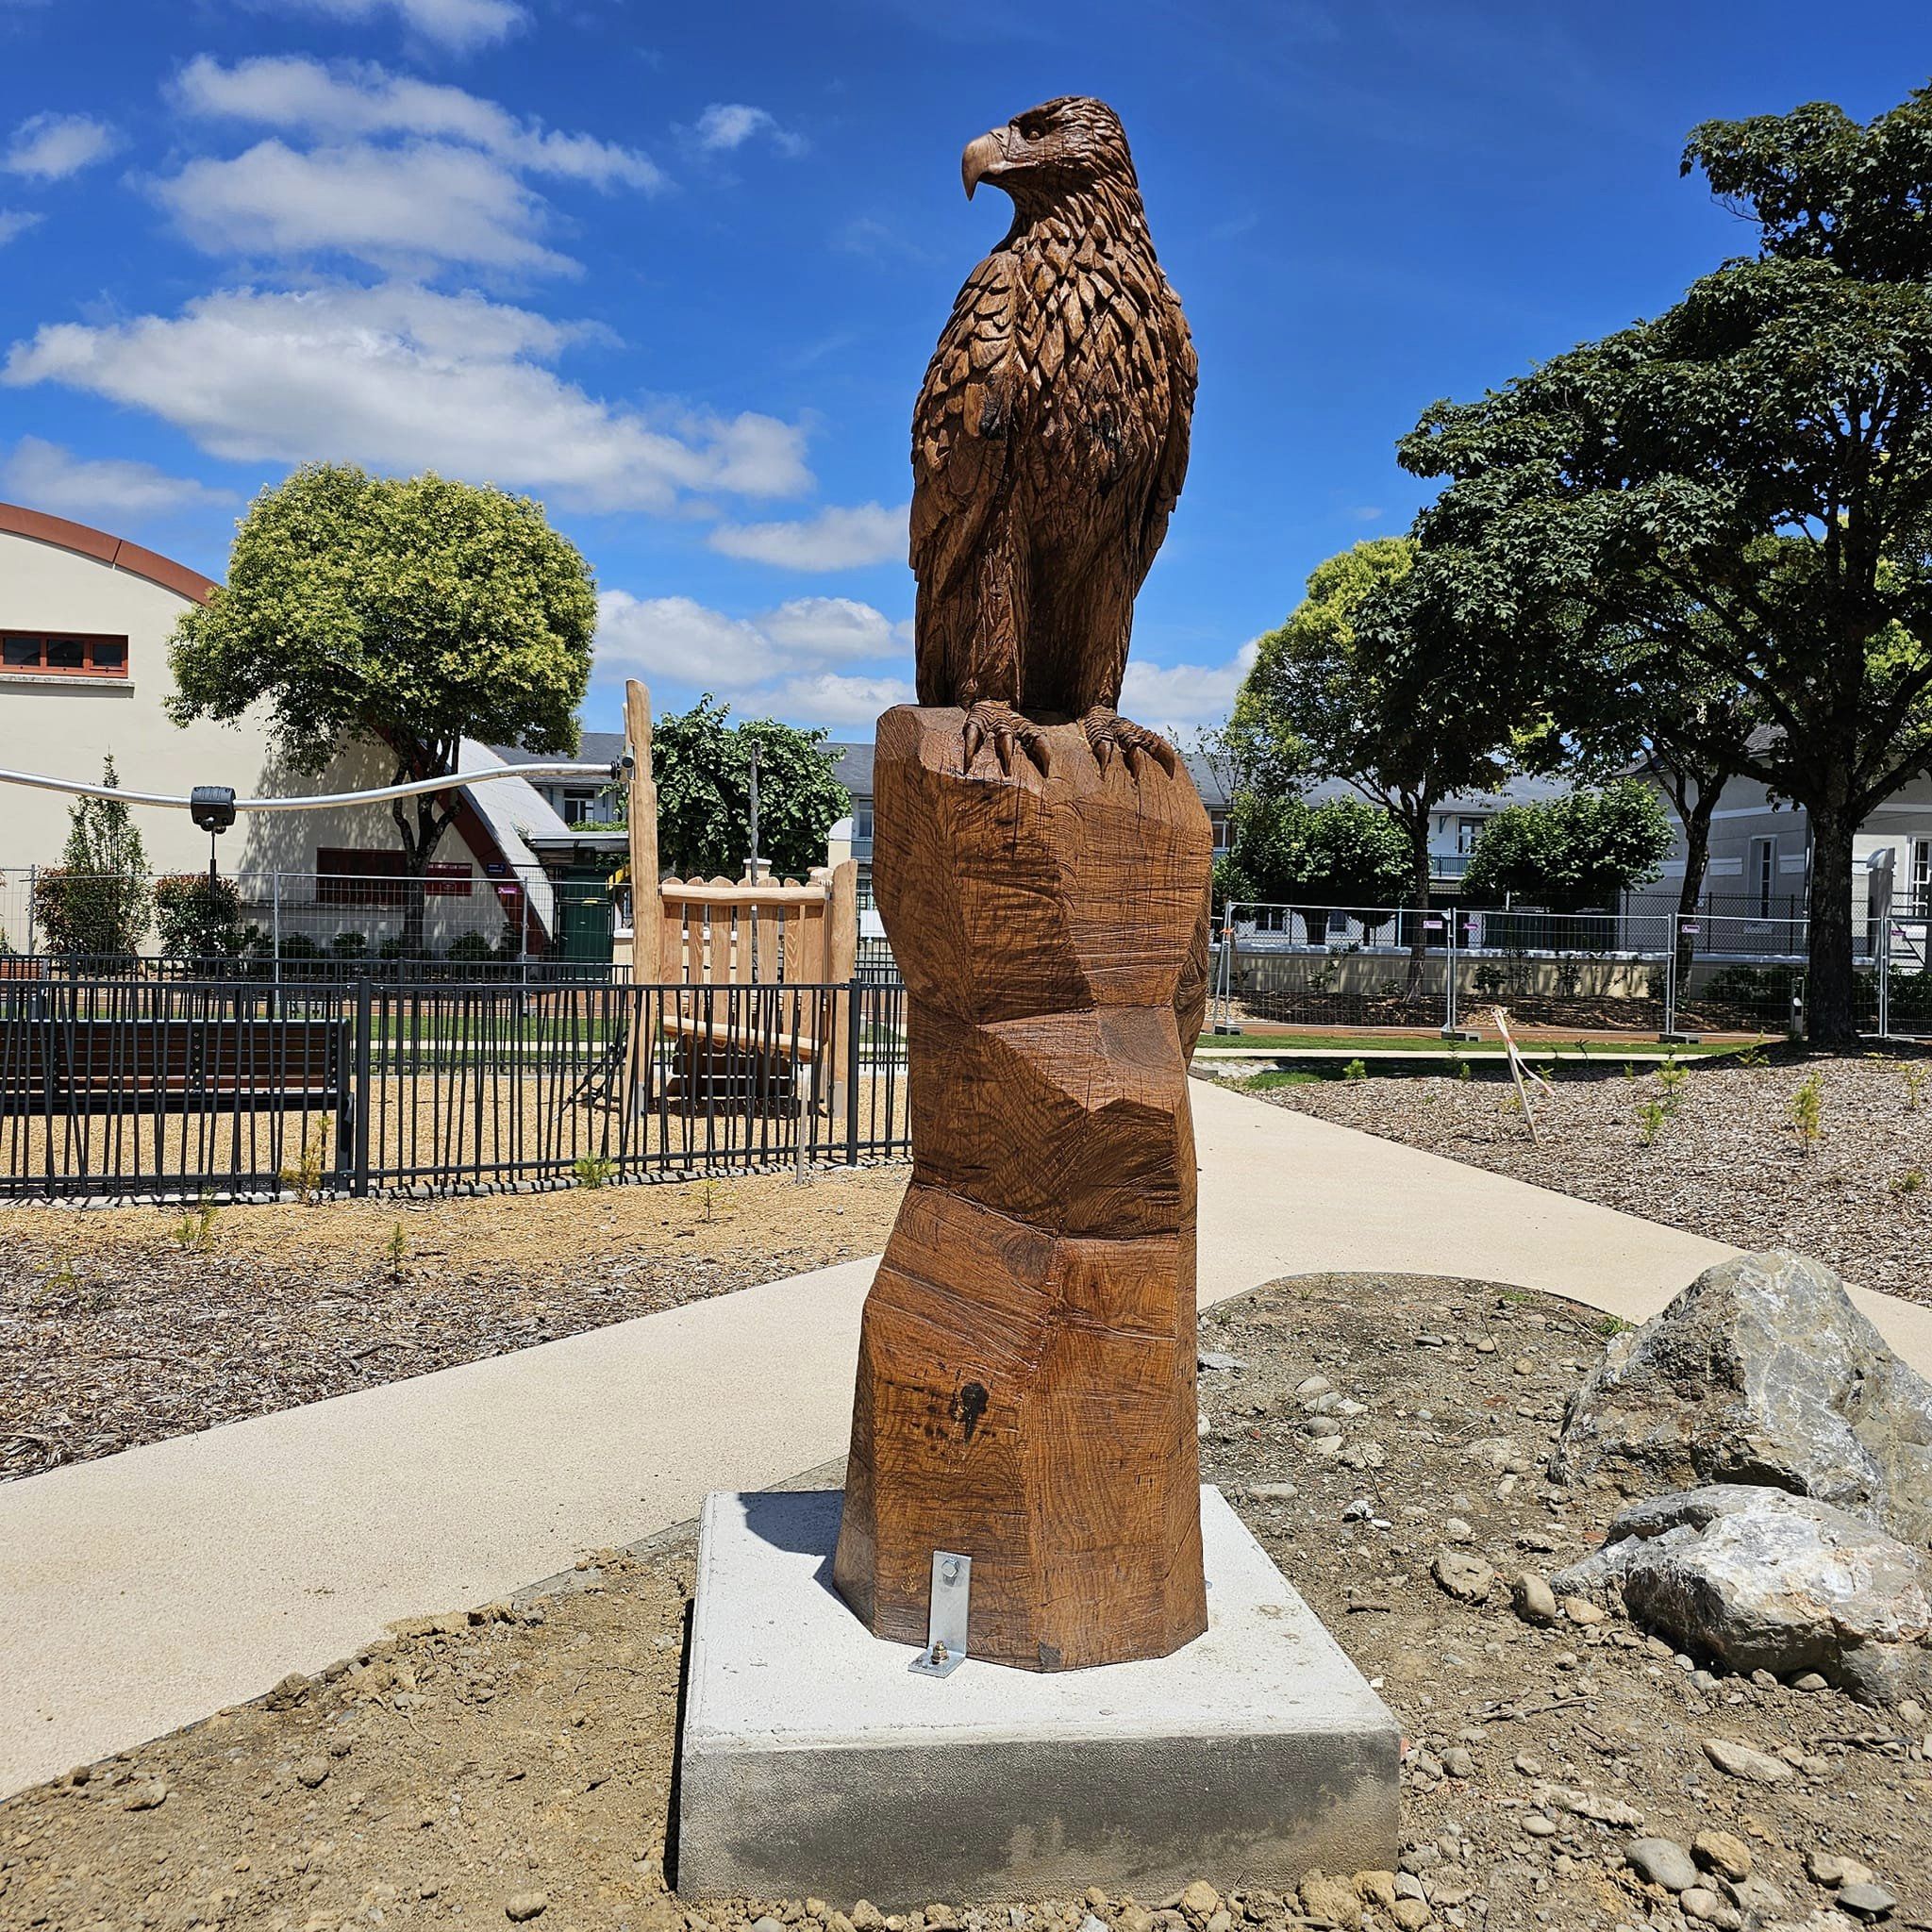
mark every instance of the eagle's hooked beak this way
{"type": "Point", "coordinates": [985, 156]}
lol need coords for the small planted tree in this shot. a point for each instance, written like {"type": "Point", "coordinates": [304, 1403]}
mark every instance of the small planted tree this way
{"type": "Point", "coordinates": [702, 766]}
{"type": "Point", "coordinates": [1286, 851]}
{"type": "Point", "coordinates": [1571, 854]}
{"type": "Point", "coordinates": [1325, 692]}
{"type": "Point", "coordinates": [410, 611]}
{"type": "Point", "coordinates": [94, 905]}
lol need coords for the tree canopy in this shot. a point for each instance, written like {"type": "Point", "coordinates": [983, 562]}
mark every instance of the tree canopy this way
{"type": "Point", "coordinates": [1760, 455]}
{"type": "Point", "coordinates": [1331, 693]}
{"type": "Point", "coordinates": [1343, 852]}
{"type": "Point", "coordinates": [416, 612]}
{"type": "Point", "coordinates": [1572, 853]}
{"type": "Point", "coordinates": [702, 765]}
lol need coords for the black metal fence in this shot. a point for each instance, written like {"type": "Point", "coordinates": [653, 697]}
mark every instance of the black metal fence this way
{"type": "Point", "coordinates": [142, 1087]}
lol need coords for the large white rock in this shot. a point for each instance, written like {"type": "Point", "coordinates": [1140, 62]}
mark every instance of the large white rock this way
{"type": "Point", "coordinates": [1761, 1371]}
{"type": "Point", "coordinates": [1764, 1580]}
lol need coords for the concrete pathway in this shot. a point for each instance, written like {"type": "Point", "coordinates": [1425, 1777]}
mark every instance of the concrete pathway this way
{"type": "Point", "coordinates": [144, 1590]}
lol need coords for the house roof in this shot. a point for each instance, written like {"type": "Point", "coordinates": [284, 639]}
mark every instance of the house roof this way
{"type": "Point", "coordinates": [117, 553]}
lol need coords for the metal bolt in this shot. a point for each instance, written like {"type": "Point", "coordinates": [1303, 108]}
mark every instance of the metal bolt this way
{"type": "Point", "coordinates": [949, 1569]}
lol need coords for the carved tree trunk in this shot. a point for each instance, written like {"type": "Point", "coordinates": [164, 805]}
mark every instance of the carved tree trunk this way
{"type": "Point", "coordinates": [1025, 1391]}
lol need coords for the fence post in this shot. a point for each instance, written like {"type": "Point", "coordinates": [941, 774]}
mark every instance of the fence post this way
{"type": "Point", "coordinates": [1449, 1027]}
{"type": "Point", "coordinates": [852, 1073]}
{"type": "Point", "coordinates": [1885, 974]}
{"type": "Point", "coordinates": [274, 926]}
{"type": "Point", "coordinates": [1670, 1031]}
{"type": "Point", "coordinates": [359, 1179]}
{"type": "Point", "coordinates": [33, 893]}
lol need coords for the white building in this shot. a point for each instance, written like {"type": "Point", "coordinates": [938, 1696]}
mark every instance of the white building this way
{"type": "Point", "coordinates": [85, 622]}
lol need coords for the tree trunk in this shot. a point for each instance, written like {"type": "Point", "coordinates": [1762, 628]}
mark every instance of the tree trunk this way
{"type": "Point", "coordinates": [1419, 906]}
{"type": "Point", "coordinates": [1696, 863]}
{"type": "Point", "coordinates": [1830, 1018]}
{"type": "Point", "coordinates": [420, 840]}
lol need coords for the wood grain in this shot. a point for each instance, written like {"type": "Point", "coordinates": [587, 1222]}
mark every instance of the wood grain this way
{"type": "Point", "coordinates": [1025, 1386]}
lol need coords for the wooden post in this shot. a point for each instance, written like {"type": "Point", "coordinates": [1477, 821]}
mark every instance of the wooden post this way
{"type": "Point", "coordinates": [841, 962]}
{"type": "Point", "coordinates": [647, 916]}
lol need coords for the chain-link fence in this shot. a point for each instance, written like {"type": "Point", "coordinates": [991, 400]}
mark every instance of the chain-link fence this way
{"type": "Point", "coordinates": [1641, 971]}
{"type": "Point", "coordinates": [294, 925]}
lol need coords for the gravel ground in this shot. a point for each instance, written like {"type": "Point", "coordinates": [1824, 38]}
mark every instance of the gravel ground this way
{"type": "Point", "coordinates": [478, 1768]}
{"type": "Point", "coordinates": [125, 1326]}
{"type": "Point", "coordinates": [1712, 1148]}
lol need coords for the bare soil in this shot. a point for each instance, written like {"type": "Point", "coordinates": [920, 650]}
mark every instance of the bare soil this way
{"type": "Point", "coordinates": [525, 1750]}
{"type": "Point", "coordinates": [124, 1326]}
{"type": "Point", "coordinates": [1713, 1146]}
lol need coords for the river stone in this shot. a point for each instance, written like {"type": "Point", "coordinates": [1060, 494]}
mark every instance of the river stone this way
{"type": "Point", "coordinates": [1764, 1580]}
{"type": "Point", "coordinates": [1760, 1372]}
{"type": "Point", "coordinates": [1661, 1861]}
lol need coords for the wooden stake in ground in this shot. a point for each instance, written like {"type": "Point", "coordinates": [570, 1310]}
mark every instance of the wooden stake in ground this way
{"type": "Point", "coordinates": [646, 919]}
{"type": "Point", "coordinates": [1522, 1072]}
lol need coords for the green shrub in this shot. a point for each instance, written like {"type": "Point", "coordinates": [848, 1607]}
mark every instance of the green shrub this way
{"type": "Point", "coordinates": [198, 917]}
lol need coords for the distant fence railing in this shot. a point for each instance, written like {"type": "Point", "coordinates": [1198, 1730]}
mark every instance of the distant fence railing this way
{"type": "Point", "coordinates": [1639, 970]}
{"type": "Point", "coordinates": [142, 1087]}
{"type": "Point", "coordinates": [467, 917]}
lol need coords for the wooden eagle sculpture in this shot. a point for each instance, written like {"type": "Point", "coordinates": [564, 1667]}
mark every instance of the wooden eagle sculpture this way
{"type": "Point", "coordinates": [1049, 444]}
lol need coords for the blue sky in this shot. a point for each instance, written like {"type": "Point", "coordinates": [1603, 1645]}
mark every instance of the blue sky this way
{"type": "Point", "coordinates": [676, 271]}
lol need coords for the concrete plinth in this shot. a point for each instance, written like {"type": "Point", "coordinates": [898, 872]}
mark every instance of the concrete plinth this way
{"type": "Point", "coordinates": [815, 1762]}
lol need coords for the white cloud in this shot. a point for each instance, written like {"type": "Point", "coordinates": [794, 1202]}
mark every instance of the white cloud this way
{"type": "Point", "coordinates": [836, 539]}
{"type": "Point", "coordinates": [397, 208]}
{"type": "Point", "coordinates": [458, 24]}
{"type": "Point", "coordinates": [834, 700]}
{"type": "Point", "coordinates": [46, 476]}
{"type": "Point", "coordinates": [401, 377]}
{"type": "Point", "coordinates": [14, 221]}
{"type": "Point", "coordinates": [50, 148]}
{"type": "Point", "coordinates": [1172, 696]}
{"type": "Point", "coordinates": [835, 628]}
{"type": "Point", "coordinates": [724, 127]}
{"type": "Point", "coordinates": [336, 103]}
{"type": "Point", "coordinates": [780, 660]}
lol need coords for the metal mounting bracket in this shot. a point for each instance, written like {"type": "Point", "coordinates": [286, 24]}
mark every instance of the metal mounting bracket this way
{"type": "Point", "coordinates": [945, 1628]}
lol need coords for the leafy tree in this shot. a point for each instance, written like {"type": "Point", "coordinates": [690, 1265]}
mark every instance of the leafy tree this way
{"type": "Point", "coordinates": [1761, 454]}
{"type": "Point", "coordinates": [95, 904]}
{"type": "Point", "coordinates": [1572, 853]}
{"type": "Point", "coordinates": [415, 612]}
{"type": "Point", "coordinates": [702, 766]}
{"type": "Point", "coordinates": [1286, 851]}
{"type": "Point", "coordinates": [198, 917]}
{"type": "Point", "coordinates": [1325, 695]}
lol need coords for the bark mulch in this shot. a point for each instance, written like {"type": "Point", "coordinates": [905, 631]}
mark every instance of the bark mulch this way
{"type": "Point", "coordinates": [125, 1326]}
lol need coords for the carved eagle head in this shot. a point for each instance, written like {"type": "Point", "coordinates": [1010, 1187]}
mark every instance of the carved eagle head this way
{"type": "Point", "coordinates": [1051, 151]}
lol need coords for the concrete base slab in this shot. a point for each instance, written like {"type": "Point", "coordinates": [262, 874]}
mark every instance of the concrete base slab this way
{"type": "Point", "coordinates": [816, 1762]}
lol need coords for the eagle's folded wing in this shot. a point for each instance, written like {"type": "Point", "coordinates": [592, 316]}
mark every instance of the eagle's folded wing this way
{"type": "Point", "coordinates": [964, 428]}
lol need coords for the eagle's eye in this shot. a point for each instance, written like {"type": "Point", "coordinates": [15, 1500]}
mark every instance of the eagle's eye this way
{"type": "Point", "coordinates": [1035, 124]}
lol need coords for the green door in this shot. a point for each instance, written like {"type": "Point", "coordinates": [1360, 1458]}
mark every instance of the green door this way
{"type": "Point", "coordinates": [583, 915]}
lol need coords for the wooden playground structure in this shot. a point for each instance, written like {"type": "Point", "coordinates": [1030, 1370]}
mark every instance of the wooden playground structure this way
{"type": "Point", "coordinates": [795, 940]}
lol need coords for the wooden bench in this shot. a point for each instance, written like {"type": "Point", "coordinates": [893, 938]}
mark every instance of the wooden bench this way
{"type": "Point", "coordinates": [55, 1062]}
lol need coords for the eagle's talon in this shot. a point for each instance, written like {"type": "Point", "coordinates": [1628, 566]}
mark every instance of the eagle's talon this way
{"type": "Point", "coordinates": [1107, 732]}
{"type": "Point", "coordinates": [989, 722]}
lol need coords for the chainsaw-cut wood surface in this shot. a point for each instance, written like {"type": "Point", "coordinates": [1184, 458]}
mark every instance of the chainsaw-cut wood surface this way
{"type": "Point", "coordinates": [1025, 1390]}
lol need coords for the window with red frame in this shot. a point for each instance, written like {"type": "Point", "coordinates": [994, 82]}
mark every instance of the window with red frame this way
{"type": "Point", "coordinates": [62, 654]}
{"type": "Point", "coordinates": [348, 877]}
